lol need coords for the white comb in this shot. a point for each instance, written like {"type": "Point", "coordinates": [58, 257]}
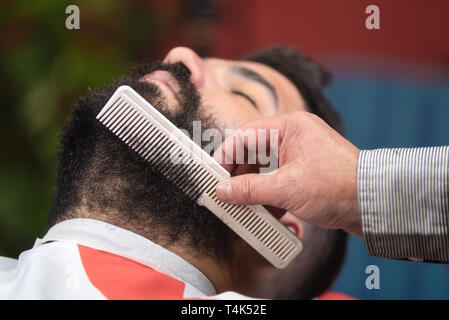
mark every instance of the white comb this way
{"type": "Point", "coordinates": [156, 139]}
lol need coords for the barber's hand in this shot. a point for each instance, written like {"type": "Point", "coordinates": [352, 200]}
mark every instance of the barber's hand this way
{"type": "Point", "coordinates": [317, 175]}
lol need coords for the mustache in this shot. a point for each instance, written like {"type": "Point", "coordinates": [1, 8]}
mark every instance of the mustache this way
{"type": "Point", "coordinates": [178, 71]}
{"type": "Point", "coordinates": [189, 97]}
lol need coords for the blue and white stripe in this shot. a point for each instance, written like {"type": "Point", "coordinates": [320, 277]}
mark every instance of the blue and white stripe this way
{"type": "Point", "coordinates": [404, 203]}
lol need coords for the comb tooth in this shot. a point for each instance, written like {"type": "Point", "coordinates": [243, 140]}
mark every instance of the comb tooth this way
{"type": "Point", "coordinates": [205, 181]}
{"type": "Point", "coordinates": [144, 144]}
{"type": "Point", "coordinates": [272, 236]}
{"type": "Point", "coordinates": [157, 139]}
{"type": "Point", "coordinates": [226, 206]}
{"type": "Point", "coordinates": [182, 165]}
{"type": "Point", "coordinates": [106, 110]}
{"type": "Point", "coordinates": [149, 136]}
{"type": "Point", "coordinates": [135, 129]}
{"type": "Point", "coordinates": [196, 172]}
{"type": "Point", "coordinates": [118, 121]}
{"type": "Point", "coordinates": [165, 161]}
{"type": "Point", "coordinates": [158, 162]}
{"type": "Point", "coordinates": [191, 168]}
{"type": "Point", "coordinates": [250, 220]}
{"type": "Point", "coordinates": [107, 121]}
{"type": "Point", "coordinates": [181, 160]}
{"type": "Point", "coordinates": [278, 244]}
{"type": "Point", "coordinates": [111, 119]}
{"type": "Point", "coordinates": [260, 230]}
{"type": "Point", "coordinates": [133, 132]}
{"type": "Point", "coordinates": [153, 144]}
{"type": "Point", "coordinates": [200, 174]}
{"type": "Point", "coordinates": [127, 126]}
{"type": "Point", "coordinates": [255, 224]}
{"type": "Point", "coordinates": [176, 154]}
{"type": "Point", "coordinates": [154, 151]}
{"type": "Point", "coordinates": [163, 164]}
{"type": "Point", "coordinates": [171, 150]}
{"type": "Point", "coordinates": [284, 255]}
{"type": "Point", "coordinates": [141, 139]}
{"type": "Point", "coordinates": [263, 233]}
{"type": "Point", "coordinates": [162, 148]}
{"type": "Point", "coordinates": [214, 197]}
{"type": "Point", "coordinates": [233, 210]}
{"type": "Point", "coordinates": [245, 216]}
{"type": "Point", "coordinates": [167, 172]}
{"type": "Point", "coordinates": [211, 187]}
{"type": "Point", "coordinates": [200, 178]}
{"type": "Point", "coordinates": [273, 240]}
{"type": "Point", "coordinates": [239, 212]}
{"type": "Point", "coordinates": [267, 236]}
{"type": "Point", "coordinates": [182, 179]}
{"type": "Point", "coordinates": [257, 228]}
{"type": "Point", "coordinates": [104, 114]}
{"type": "Point", "coordinates": [191, 189]}
{"type": "Point", "coordinates": [286, 248]}
{"type": "Point", "coordinates": [175, 175]}
{"type": "Point", "coordinates": [135, 139]}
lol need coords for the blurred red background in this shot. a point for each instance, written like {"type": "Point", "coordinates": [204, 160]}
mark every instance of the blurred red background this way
{"type": "Point", "coordinates": [411, 31]}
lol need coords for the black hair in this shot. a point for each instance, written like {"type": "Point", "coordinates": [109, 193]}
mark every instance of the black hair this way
{"type": "Point", "coordinates": [308, 76]}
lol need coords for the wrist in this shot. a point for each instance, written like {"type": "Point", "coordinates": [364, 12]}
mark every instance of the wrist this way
{"type": "Point", "coordinates": [353, 221]}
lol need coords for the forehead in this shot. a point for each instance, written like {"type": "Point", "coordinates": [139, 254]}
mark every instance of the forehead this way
{"type": "Point", "coordinates": [290, 98]}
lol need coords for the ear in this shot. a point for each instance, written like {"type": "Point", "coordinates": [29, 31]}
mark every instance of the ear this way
{"type": "Point", "coordinates": [293, 224]}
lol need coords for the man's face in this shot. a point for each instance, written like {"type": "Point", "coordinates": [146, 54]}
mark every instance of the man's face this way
{"type": "Point", "coordinates": [234, 93]}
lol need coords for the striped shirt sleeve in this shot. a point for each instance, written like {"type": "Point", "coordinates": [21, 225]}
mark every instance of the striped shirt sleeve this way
{"type": "Point", "coordinates": [404, 203]}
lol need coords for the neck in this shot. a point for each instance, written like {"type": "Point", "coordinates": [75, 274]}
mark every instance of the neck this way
{"type": "Point", "coordinates": [217, 271]}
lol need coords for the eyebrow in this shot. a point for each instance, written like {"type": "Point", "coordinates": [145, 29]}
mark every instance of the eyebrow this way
{"type": "Point", "coordinates": [254, 76]}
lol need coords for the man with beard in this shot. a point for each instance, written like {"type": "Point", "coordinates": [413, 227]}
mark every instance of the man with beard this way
{"type": "Point", "coordinates": [120, 230]}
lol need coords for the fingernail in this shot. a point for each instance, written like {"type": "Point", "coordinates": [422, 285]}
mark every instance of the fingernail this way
{"type": "Point", "coordinates": [224, 191]}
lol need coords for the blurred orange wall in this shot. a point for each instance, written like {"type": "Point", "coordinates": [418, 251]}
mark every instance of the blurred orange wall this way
{"type": "Point", "coordinates": [411, 30]}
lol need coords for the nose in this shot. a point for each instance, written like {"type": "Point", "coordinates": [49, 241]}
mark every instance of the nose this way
{"type": "Point", "coordinates": [191, 60]}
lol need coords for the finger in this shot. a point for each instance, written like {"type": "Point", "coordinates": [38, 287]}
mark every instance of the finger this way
{"type": "Point", "coordinates": [226, 152]}
{"type": "Point", "coordinates": [260, 136]}
{"type": "Point", "coordinates": [249, 189]}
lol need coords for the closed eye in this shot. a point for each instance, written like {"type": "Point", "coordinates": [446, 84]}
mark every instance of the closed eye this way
{"type": "Point", "coordinates": [246, 97]}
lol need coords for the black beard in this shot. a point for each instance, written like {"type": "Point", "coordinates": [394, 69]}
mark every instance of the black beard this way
{"type": "Point", "coordinates": [97, 167]}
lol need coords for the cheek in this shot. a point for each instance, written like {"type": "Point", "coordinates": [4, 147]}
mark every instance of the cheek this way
{"type": "Point", "coordinates": [228, 112]}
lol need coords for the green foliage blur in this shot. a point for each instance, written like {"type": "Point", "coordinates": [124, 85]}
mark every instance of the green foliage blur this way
{"type": "Point", "coordinates": [44, 67]}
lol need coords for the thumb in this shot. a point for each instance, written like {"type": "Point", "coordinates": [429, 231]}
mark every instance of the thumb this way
{"type": "Point", "coordinates": [248, 189]}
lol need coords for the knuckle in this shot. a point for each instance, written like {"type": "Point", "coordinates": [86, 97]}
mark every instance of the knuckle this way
{"type": "Point", "coordinates": [247, 190]}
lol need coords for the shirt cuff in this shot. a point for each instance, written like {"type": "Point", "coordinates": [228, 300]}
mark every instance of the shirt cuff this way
{"type": "Point", "coordinates": [404, 203]}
